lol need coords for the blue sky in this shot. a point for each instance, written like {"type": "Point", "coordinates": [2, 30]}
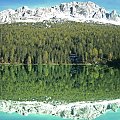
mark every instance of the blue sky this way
{"type": "Point", "coordinates": [6, 4]}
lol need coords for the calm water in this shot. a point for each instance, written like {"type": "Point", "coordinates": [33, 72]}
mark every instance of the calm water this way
{"type": "Point", "coordinates": [58, 82]}
{"type": "Point", "coordinates": [110, 116]}
{"type": "Point", "coordinates": [15, 116]}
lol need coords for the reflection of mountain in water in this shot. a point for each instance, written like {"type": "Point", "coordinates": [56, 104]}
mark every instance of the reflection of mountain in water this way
{"type": "Point", "coordinates": [59, 82]}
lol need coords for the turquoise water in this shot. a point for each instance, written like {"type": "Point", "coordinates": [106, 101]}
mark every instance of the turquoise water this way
{"type": "Point", "coordinates": [15, 116]}
{"type": "Point", "coordinates": [111, 115]}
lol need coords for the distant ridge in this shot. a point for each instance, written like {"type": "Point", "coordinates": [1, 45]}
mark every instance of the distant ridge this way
{"type": "Point", "coordinates": [73, 11]}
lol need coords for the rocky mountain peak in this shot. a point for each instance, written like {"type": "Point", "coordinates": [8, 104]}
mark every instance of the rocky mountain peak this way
{"type": "Point", "coordinates": [22, 9]}
{"type": "Point", "coordinates": [74, 11]}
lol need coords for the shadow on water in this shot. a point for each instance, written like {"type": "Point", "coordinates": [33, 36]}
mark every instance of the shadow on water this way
{"type": "Point", "coordinates": [114, 63]}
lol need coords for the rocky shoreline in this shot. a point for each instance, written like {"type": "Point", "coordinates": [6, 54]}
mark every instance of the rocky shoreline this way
{"type": "Point", "coordinates": [78, 110]}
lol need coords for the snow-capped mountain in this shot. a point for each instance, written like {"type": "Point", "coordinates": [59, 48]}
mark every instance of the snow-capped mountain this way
{"type": "Point", "coordinates": [73, 11]}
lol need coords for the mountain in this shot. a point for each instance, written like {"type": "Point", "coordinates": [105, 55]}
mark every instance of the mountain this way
{"type": "Point", "coordinates": [73, 11]}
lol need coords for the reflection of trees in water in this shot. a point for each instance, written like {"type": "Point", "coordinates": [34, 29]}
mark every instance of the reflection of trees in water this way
{"type": "Point", "coordinates": [63, 82]}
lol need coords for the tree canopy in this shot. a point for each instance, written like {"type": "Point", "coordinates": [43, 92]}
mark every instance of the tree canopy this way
{"type": "Point", "coordinates": [68, 42]}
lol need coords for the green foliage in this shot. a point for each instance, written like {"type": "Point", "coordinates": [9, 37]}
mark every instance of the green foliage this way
{"type": "Point", "coordinates": [59, 82]}
{"type": "Point", "coordinates": [35, 43]}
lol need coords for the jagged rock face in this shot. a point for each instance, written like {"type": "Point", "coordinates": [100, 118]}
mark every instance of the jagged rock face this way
{"type": "Point", "coordinates": [70, 11]}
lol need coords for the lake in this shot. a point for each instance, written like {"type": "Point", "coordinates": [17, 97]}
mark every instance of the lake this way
{"type": "Point", "coordinates": [15, 116]}
{"type": "Point", "coordinates": [110, 116]}
{"type": "Point", "coordinates": [65, 83]}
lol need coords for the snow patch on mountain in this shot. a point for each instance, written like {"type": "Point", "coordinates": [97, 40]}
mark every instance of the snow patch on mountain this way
{"type": "Point", "coordinates": [73, 11]}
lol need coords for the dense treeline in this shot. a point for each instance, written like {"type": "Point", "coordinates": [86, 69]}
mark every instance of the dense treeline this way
{"type": "Point", "coordinates": [67, 42]}
{"type": "Point", "coordinates": [59, 82]}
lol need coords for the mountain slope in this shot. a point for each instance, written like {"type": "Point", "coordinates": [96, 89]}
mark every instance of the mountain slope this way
{"type": "Point", "coordinates": [73, 11]}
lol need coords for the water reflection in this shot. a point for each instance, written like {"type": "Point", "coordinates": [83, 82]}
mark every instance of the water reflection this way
{"type": "Point", "coordinates": [110, 115]}
{"type": "Point", "coordinates": [59, 82]}
{"type": "Point", "coordinates": [15, 116]}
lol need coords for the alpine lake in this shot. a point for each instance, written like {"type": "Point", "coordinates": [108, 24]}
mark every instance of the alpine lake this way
{"type": "Point", "coordinates": [64, 83]}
